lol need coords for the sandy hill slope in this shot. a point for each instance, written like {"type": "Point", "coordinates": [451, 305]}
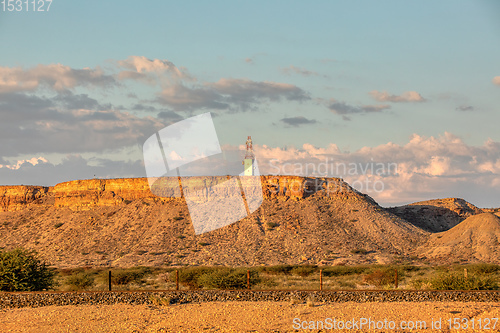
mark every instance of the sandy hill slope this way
{"type": "Point", "coordinates": [436, 215]}
{"type": "Point", "coordinates": [495, 211]}
{"type": "Point", "coordinates": [475, 239]}
{"type": "Point", "coordinates": [120, 223]}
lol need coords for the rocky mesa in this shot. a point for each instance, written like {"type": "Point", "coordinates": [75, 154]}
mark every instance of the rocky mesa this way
{"type": "Point", "coordinates": [87, 194]}
{"type": "Point", "coordinates": [14, 198]}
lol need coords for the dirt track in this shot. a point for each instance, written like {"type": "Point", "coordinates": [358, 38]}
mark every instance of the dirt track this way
{"type": "Point", "coordinates": [236, 316]}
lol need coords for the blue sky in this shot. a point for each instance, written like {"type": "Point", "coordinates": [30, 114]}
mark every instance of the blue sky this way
{"type": "Point", "coordinates": [415, 83]}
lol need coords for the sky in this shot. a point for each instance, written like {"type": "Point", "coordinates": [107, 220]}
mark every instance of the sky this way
{"type": "Point", "coordinates": [328, 88]}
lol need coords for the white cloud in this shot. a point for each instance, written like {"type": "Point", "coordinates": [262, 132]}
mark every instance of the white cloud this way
{"type": "Point", "coordinates": [72, 167]}
{"type": "Point", "coordinates": [55, 76]}
{"type": "Point", "coordinates": [427, 168]}
{"type": "Point", "coordinates": [33, 161]}
{"type": "Point", "coordinates": [151, 71]}
{"type": "Point", "coordinates": [409, 96]}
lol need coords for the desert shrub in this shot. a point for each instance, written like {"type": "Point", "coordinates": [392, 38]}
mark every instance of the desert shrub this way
{"type": "Point", "coordinates": [359, 251]}
{"type": "Point", "coordinates": [409, 268]}
{"type": "Point", "coordinates": [80, 281]}
{"type": "Point", "coordinates": [347, 284]}
{"type": "Point", "coordinates": [21, 270]}
{"type": "Point", "coordinates": [189, 276]}
{"type": "Point", "coordinates": [419, 283]}
{"type": "Point", "coordinates": [271, 225]}
{"type": "Point", "coordinates": [126, 276]}
{"type": "Point", "coordinates": [304, 270]}
{"type": "Point", "coordinates": [228, 278]}
{"type": "Point", "coordinates": [457, 281]}
{"type": "Point", "coordinates": [380, 277]}
{"type": "Point", "coordinates": [216, 277]}
{"type": "Point", "coordinates": [58, 225]}
{"type": "Point", "coordinates": [277, 269]}
{"type": "Point", "coordinates": [484, 268]}
{"type": "Point", "coordinates": [343, 270]}
{"type": "Point", "coordinates": [69, 271]}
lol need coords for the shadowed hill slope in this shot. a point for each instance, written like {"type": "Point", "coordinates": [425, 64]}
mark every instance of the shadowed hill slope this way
{"type": "Point", "coordinates": [436, 215]}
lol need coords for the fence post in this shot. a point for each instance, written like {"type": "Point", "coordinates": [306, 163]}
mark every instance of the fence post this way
{"type": "Point", "coordinates": [248, 279]}
{"type": "Point", "coordinates": [176, 279]}
{"type": "Point", "coordinates": [320, 279]}
{"type": "Point", "coordinates": [109, 280]}
{"type": "Point", "coordinates": [465, 273]}
{"type": "Point", "coordinates": [396, 279]}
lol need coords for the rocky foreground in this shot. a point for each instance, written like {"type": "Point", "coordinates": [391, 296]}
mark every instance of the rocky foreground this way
{"type": "Point", "coordinates": [37, 299]}
{"type": "Point", "coordinates": [253, 317]}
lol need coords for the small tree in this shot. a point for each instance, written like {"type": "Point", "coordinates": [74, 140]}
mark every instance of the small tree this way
{"type": "Point", "coordinates": [21, 270]}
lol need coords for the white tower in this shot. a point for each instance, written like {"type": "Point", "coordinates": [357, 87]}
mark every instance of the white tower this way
{"type": "Point", "coordinates": [249, 158]}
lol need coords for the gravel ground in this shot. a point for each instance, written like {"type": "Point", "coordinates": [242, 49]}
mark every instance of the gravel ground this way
{"type": "Point", "coordinates": [239, 316]}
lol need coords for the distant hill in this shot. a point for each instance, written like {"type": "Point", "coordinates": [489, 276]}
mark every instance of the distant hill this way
{"type": "Point", "coordinates": [475, 239]}
{"type": "Point", "coordinates": [120, 223]}
{"type": "Point", "coordinates": [436, 215]}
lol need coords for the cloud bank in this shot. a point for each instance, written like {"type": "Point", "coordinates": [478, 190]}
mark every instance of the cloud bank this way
{"type": "Point", "coordinates": [427, 168]}
{"type": "Point", "coordinates": [409, 96]}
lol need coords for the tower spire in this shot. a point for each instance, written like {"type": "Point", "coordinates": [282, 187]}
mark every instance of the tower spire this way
{"type": "Point", "coordinates": [249, 158]}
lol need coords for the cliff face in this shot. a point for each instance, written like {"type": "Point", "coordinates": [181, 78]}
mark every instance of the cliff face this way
{"type": "Point", "coordinates": [86, 194]}
{"type": "Point", "coordinates": [13, 198]}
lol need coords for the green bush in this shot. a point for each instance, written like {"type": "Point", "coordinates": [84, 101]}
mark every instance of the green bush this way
{"type": "Point", "coordinates": [189, 276]}
{"type": "Point", "coordinates": [277, 269]}
{"type": "Point", "coordinates": [305, 270]}
{"type": "Point", "coordinates": [21, 270]}
{"type": "Point", "coordinates": [484, 268]}
{"type": "Point", "coordinates": [409, 268]}
{"type": "Point", "coordinates": [126, 276]}
{"type": "Point", "coordinates": [457, 281]}
{"type": "Point", "coordinates": [343, 270]}
{"type": "Point", "coordinates": [80, 281]}
{"type": "Point", "coordinates": [215, 277]}
{"type": "Point", "coordinates": [228, 278]}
